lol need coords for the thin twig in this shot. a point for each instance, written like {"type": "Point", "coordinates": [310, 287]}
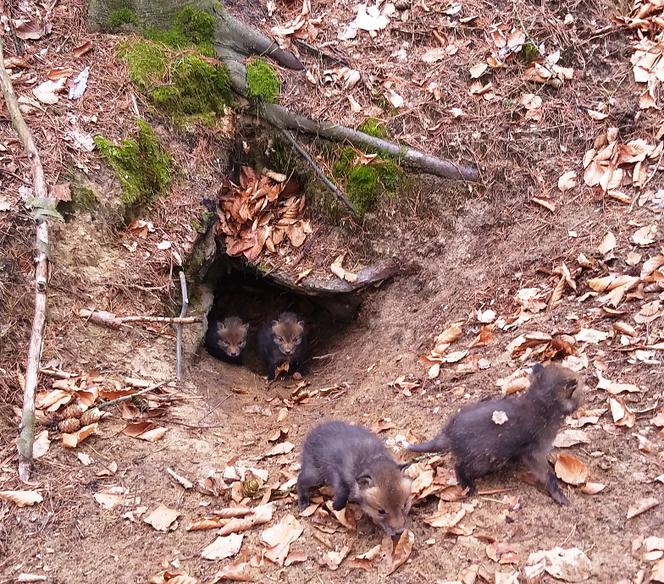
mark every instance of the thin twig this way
{"type": "Point", "coordinates": [320, 174]}
{"type": "Point", "coordinates": [316, 51]}
{"type": "Point", "coordinates": [178, 338]}
{"type": "Point", "coordinates": [27, 428]}
{"type": "Point", "coordinates": [111, 402]}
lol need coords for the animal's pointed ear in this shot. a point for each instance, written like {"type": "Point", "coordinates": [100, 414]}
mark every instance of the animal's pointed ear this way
{"type": "Point", "coordinates": [245, 326]}
{"type": "Point", "coordinates": [404, 465]}
{"type": "Point", "coordinates": [364, 482]}
{"type": "Point", "coordinates": [537, 369]}
{"type": "Point", "coordinates": [301, 323]}
{"type": "Point", "coordinates": [275, 323]}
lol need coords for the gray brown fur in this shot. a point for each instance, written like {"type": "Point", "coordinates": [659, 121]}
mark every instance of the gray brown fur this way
{"type": "Point", "coordinates": [283, 340]}
{"type": "Point", "coordinates": [357, 465]}
{"type": "Point", "coordinates": [482, 446]}
{"type": "Point", "coordinates": [227, 339]}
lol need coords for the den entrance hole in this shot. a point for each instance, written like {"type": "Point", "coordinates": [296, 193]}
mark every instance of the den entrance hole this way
{"type": "Point", "coordinates": [241, 290]}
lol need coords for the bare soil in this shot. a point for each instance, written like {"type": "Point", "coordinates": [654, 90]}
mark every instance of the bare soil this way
{"type": "Point", "coordinates": [460, 253]}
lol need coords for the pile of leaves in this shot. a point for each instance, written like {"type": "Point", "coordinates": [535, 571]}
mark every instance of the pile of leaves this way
{"type": "Point", "coordinates": [77, 403]}
{"type": "Point", "coordinates": [262, 212]}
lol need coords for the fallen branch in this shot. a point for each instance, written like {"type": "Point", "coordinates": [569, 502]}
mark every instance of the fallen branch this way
{"type": "Point", "coordinates": [235, 40]}
{"type": "Point", "coordinates": [26, 437]}
{"type": "Point", "coordinates": [321, 175]}
{"type": "Point", "coordinates": [110, 320]}
{"type": "Point", "coordinates": [183, 314]}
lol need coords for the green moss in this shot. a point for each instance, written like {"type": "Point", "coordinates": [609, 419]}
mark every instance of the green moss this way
{"type": "Point", "coordinates": [197, 26]}
{"type": "Point", "coordinates": [83, 197]}
{"type": "Point", "coordinates": [364, 184]}
{"type": "Point", "coordinates": [147, 61]}
{"type": "Point", "coordinates": [375, 128]}
{"type": "Point", "coordinates": [141, 164]}
{"type": "Point", "coordinates": [196, 87]}
{"type": "Point", "coordinates": [262, 81]}
{"type": "Point", "coordinates": [122, 16]}
{"type": "Point", "coordinates": [530, 53]}
{"type": "Point", "coordinates": [191, 28]}
{"type": "Point", "coordinates": [201, 224]}
{"type": "Point", "coordinates": [186, 86]}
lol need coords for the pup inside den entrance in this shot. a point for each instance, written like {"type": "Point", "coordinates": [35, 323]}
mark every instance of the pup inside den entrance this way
{"type": "Point", "coordinates": [269, 327]}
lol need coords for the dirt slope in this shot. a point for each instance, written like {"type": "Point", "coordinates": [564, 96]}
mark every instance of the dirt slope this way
{"type": "Point", "coordinates": [469, 253]}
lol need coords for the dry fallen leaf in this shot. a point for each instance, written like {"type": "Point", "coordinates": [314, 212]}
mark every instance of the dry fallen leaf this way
{"type": "Point", "coordinates": [641, 506]}
{"type": "Point", "coordinates": [607, 244]}
{"type": "Point", "coordinates": [592, 488]}
{"type": "Point", "coordinates": [281, 448]}
{"type": "Point", "coordinates": [402, 550]}
{"type": "Point", "coordinates": [333, 559]}
{"type": "Point", "coordinates": [21, 498]}
{"type": "Point", "coordinates": [223, 547]}
{"type": "Point", "coordinates": [570, 565]}
{"type": "Point", "coordinates": [567, 181]}
{"type": "Point", "coordinates": [161, 518]}
{"type": "Point", "coordinates": [621, 414]}
{"type": "Point", "coordinates": [75, 438]}
{"type": "Point", "coordinates": [571, 470]}
{"type": "Point", "coordinates": [363, 561]}
{"type": "Point", "coordinates": [235, 572]}
{"type": "Point", "coordinates": [41, 444]}
{"type": "Point", "coordinates": [570, 437]}
{"type": "Point", "coordinates": [279, 538]}
{"type": "Point", "coordinates": [645, 236]}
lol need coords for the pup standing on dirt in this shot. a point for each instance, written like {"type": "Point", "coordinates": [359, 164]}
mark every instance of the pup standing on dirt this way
{"type": "Point", "coordinates": [225, 340]}
{"type": "Point", "coordinates": [487, 435]}
{"type": "Point", "coordinates": [356, 463]}
{"type": "Point", "coordinates": [283, 341]}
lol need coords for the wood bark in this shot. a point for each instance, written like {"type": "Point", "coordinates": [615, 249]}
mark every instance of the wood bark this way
{"type": "Point", "coordinates": [26, 436]}
{"type": "Point", "coordinates": [183, 314]}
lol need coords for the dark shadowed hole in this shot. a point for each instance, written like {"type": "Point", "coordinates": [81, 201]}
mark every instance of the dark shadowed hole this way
{"type": "Point", "coordinates": [240, 290]}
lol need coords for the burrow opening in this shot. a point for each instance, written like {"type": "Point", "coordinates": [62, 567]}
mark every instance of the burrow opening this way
{"type": "Point", "coordinates": [239, 289]}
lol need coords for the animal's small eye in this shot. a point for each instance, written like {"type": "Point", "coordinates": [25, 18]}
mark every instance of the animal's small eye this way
{"type": "Point", "coordinates": [382, 512]}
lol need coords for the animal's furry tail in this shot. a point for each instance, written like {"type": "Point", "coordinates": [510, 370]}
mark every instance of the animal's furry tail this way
{"type": "Point", "coordinates": [439, 443]}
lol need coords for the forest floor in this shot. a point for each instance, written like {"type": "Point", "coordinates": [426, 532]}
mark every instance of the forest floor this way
{"type": "Point", "coordinates": [533, 265]}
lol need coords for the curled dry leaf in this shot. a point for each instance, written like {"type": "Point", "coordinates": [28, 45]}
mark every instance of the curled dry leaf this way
{"type": "Point", "coordinates": [75, 438]}
{"type": "Point", "coordinates": [262, 514]}
{"type": "Point", "coordinates": [162, 518]}
{"type": "Point", "coordinates": [571, 470]}
{"type": "Point", "coordinates": [641, 506]}
{"type": "Point", "coordinates": [592, 488]}
{"type": "Point", "coordinates": [182, 481]}
{"type": "Point", "coordinates": [223, 547]}
{"type": "Point", "coordinates": [279, 538]}
{"type": "Point", "coordinates": [332, 559]}
{"type": "Point", "coordinates": [343, 516]}
{"type": "Point", "coordinates": [21, 498]}
{"type": "Point", "coordinates": [445, 519]}
{"type": "Point", "coordinates": [401, 551]}
{"type": "Point", "coordinates": [621, 414]}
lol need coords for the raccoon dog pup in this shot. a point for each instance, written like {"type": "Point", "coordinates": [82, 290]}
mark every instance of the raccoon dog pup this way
{"type": "Point", "coordinates": [283, 340]}
{"type": "Point", "coordinates": [357, 465]}
{"type": "Point", "coordinates": [226, 339]}
{"type": "Point", "coordinates": [482, 442]}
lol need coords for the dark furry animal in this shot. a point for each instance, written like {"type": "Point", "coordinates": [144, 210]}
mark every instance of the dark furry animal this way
{"type": "Point", "coordinates": [481, 444]}
{"type": "Point", "coordinates": [226, 339]}
{"type": "Point", "coordinates": [283, 341]}
{"type": "Point", "coordinates": [356, 463]}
